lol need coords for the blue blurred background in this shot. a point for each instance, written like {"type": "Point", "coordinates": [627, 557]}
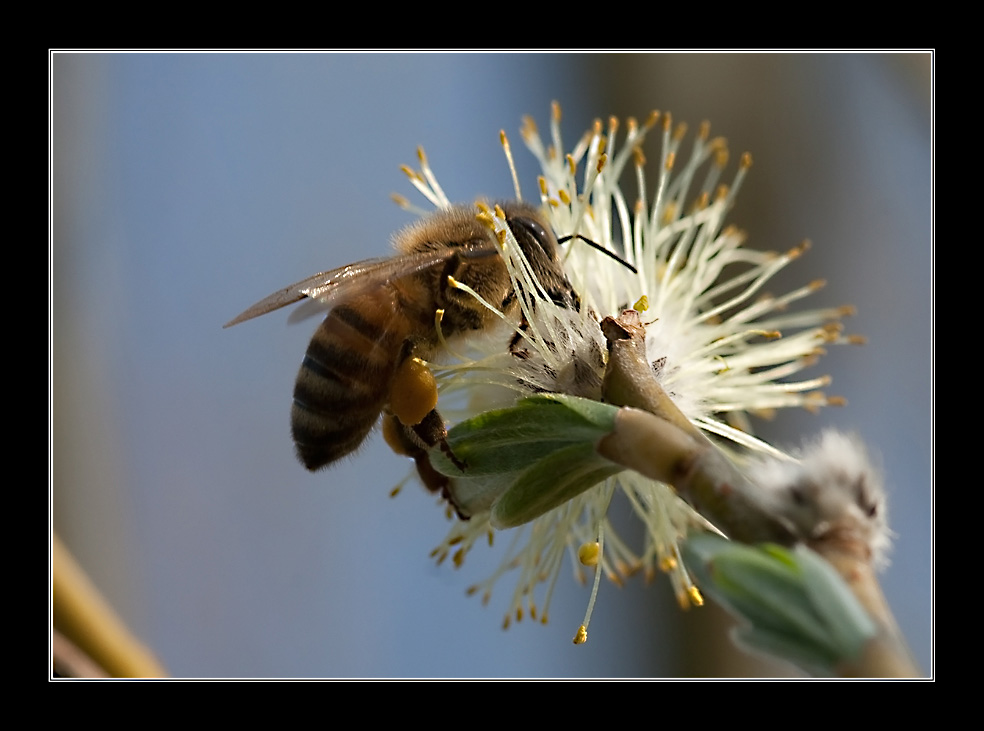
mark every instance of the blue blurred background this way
{"type": "Point", "coordinates": [187, 186]}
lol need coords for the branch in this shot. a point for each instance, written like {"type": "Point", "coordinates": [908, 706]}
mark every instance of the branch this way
{"type": "Point", "coordinates": [652, 437]}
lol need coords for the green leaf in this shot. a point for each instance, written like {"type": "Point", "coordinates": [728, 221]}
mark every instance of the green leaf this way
{"type": "Point", "coordinates": [551, 482]}
{"type": "Point", "coordinates": [849, 624]}
{"type": "Point", "coordinates": [509, 440]}
{"type": "Point", "coordinates": [523, 461]}
{"type": "Point", "coordinates": [794, 603]}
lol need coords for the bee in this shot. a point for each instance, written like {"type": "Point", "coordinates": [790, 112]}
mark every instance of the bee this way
{"type": "Point", "coordinates": [364, 360]}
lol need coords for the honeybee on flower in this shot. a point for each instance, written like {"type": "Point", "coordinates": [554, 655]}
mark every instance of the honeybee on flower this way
{"type": "Point", "coordinates": [712, 339]}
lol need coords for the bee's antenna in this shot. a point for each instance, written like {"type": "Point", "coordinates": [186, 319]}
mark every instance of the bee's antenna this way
{"type": "Point", "coordinates": [602, 249]}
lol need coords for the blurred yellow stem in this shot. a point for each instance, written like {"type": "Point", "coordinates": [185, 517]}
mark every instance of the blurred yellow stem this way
{"type": "Point", "coordinates": [84, 616]}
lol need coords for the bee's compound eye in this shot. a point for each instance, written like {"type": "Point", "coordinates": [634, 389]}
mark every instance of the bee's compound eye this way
{"type": "Point", "coordinates": [527, 231]}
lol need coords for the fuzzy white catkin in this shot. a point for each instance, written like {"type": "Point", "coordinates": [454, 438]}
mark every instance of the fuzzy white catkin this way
{"type": "Point", "coordinates": [832, 484]}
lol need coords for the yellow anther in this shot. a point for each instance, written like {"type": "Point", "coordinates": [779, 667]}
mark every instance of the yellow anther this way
{"type": "Point", "coordinates": [800, 249]}
{"type": "Point", "coordinates": [814, 400]}
{"type": "Point", "coordinates": [641, 304]}
{"type": "Point", "coordinates": [589, 553]}
{"type": "Point", "coordinates": [582, 635]}
{"type": "Point", "coordinates": [487, 219]}
{"type": "Point", "coordinates": [696, 597]}
{"type": "Point", "coordinates": [528, 127]}
{"type": "Point", "coordinates": [746, 160]}
{"type": "Point", "coordinates": [555, 111]}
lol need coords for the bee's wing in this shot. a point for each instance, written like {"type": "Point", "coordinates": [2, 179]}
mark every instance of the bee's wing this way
{"type": "Point", "coordinates": [307, 309]}
{"type": "Point", "coordinates": [327, 287]}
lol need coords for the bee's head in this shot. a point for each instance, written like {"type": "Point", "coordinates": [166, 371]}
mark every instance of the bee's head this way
{"type": "Point", "coordinates": [532, 232]}
{"type": "Point", "coordinates": [540, 247]}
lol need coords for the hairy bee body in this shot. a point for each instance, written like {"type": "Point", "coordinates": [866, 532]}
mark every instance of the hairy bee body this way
{"type": "Point", "coordinates": [383, 312]}
{"type": "Point", "coordinates": [341, 387]}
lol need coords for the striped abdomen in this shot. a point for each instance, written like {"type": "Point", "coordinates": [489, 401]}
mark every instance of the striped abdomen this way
{"type": "Point", "coordinates": [345, 379]}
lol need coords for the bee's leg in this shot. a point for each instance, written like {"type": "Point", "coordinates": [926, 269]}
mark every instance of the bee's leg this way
{"type": "Point", "coordinates": [413, 394]}
{"type": "Point", "coordinates": [413, 402]}
{"type": "Point", "coordinates": [403, 441]}
{"type": "Point", "coordinates": [431, 432]}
